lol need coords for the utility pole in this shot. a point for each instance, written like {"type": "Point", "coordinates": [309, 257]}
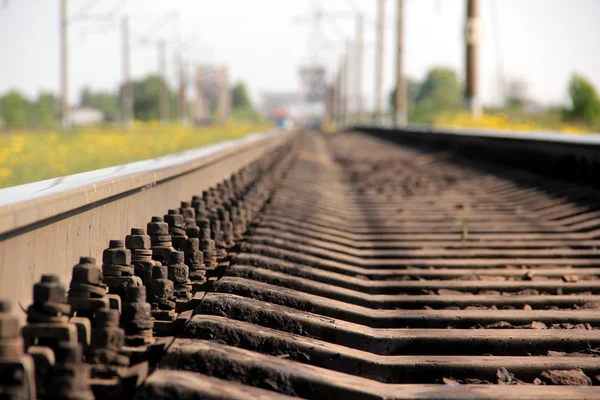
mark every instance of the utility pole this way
{"type": "Point", "coordinates": [342, 101]}
{"type": "Point", "coordinates": [163, 97]}
{"type": "Point", "coordinates": [379, 61]}
{"type": "Point", "coordinates": [472, 35]}
{"type": "Point", "coordinates": [199, 114]}
{"type": "Point", "coordinates": [346, 81]}
{"type": "Point", "coordinates": [64, 71]}
{"type": "Point", "coordinates": [341, 96]}
{"type": "Point", "coordinates": [127, 86]}
{"type": "Point", "coordinates": [338, 96]}
{"type": "Point", "coordinates": [223, 102]}
{"type": "Point", "coordinates": [360, 29]}
{"type": "Point", "coordinates": [182, 91]}
{"type": "Point", "coordinates": [400, 117]}
{"type": "Point", "coordinates": [336, 92]}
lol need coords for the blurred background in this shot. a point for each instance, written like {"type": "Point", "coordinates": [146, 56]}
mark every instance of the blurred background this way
{"type": "Point", "coordinates": [86, 84]}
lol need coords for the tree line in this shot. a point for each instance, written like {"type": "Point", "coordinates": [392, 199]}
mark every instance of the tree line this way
{"type": "Point", "coordinates": [16, 110]}
{"type": "Point", "coordinates": [440, 92]}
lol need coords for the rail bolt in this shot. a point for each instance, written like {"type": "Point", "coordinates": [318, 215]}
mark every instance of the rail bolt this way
{"type": "Point", "coordinates": [49, 290]}
{"type": "Point", "coordinates": [116, 254]}
{"type": "Point", "coordinates": [137, 240]}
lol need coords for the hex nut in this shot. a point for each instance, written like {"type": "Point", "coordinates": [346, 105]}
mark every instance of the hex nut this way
{"type": "Point", "coordinates": [68, 353]}
{"type": "Point", "coordinates": [107, 318]}
{"type": "Point", "coordinates": [50, 278]}
{"type": "Point", "coordinates": [205, 233]}
{"type": "Point", "coordinates": [175, 220]}
{"type": "Point", "coordinates": [87, 273]}
{"type": "Point", "coordinates": [5, 306]}
{"type": "Point", "coordinates": [194, 259]}
{"type": "Point", "coordinates": [135, 294]}
{"type": "Point", "coordinates": [160, 239]}
{"type": "Point", "coordinates": [187, 211]}
{"type": "Point", "coordinates": [114, 302]}
{"type": "Point", "coordinates": [108, 338]}
{"type": "Point", "coordinates": [137, 242]}
{"type": "Point", "coordinates": [116, 256]}
{"type": "Point", "coordinates": [162, 288]}
{"type": "Point", "coordinates": [192, 232]}
{"type": "Point", "coordinates": [115, 244]}
{"type": "Point", "coordinates": [87, 260]}
{"type": "Point", "coordinates": [179, 273]}
{"type": "Point", "coordinates": [198, 204]}
{"type": "Point", "coordinates": [135, 311]}
{"type": "Point", "coordinates": [52, 292]}
{"type": "Point", "coordinates": [176, 257]}
{"type": "Point", "coordinates": [9, 326]}
{"type": "Point", "coordinates": [160, 272]}
{"type": "Point", "coordinates": [189, 221]}
{"type": "Point", "coordinates": [190, 245]}
{"type": "Point", "coordinates": [157, 228]}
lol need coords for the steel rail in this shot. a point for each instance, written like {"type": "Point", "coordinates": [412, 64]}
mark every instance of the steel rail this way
{"type": "Point", "coordinates": [46, 226]}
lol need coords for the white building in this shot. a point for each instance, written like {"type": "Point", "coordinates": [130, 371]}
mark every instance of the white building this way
{"type": "Point", "coordinates": [85, 116]}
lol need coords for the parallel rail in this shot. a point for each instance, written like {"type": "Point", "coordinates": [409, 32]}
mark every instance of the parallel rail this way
{"type": "Point", "coordinates": [380, 264]}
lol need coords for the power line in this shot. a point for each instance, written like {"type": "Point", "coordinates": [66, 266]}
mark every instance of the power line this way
{"type": "Point", "coordinates": [401, 115]}
{"type": "Point", "coordinates": [83, 10]}
{"type": "Point", "coordinates": [158, 25]}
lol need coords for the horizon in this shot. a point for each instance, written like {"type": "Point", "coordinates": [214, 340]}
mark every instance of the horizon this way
{"type": "Point", "coordinates": [545, 61]}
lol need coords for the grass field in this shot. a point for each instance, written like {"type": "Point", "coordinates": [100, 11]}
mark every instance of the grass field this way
{"type": "Point", "coordinates": [494, 121]}
{"type": "Point", "coordinates": [504, 122]}
{"type": "Point", "coordinates": [29, 156]}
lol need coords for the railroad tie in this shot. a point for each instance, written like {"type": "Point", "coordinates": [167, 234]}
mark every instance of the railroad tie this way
{"type": "Point", "coordinates": [377, 270]}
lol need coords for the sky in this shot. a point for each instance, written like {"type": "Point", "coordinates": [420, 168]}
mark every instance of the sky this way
{"type": "Point", "coordinates": [538, 42]}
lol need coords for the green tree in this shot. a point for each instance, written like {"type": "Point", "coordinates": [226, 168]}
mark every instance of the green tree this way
{"type": "Point", "coordinates": [239, 96]}
{"type": "Point", "coordinates": [46, 109]}
{"type": "Point", "coordinates": [146, 93]}
{"type": "Point", "coordinates": [412, 90]}
{"type": "Point", "coordinates": [106, 102]}
{"type": "Point", "coordinates": [241, 105]}
{"type": "Point", "coordinates": [86, 98]}
{"type": "Point", "coordinates": [440, 90]}
{"type": "Point", "coordinates": [585, 105]}
{"type": "Point", "coordinates": [15, 109]}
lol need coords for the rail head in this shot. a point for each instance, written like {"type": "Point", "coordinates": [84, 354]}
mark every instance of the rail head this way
{"type": "Point", "coordinates": [47, 226]}
{"type": "Point", "coordinates": [590, 138]}
{"type": "Point", "coordinates": [576, 158]}
{"type": "Point", "coordinates": [32, 203]}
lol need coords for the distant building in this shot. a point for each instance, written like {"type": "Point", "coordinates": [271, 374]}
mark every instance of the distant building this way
{"type": "Point", "coordinates": [308, 104]}
{"type": "Point", "coordinates": [85, 116]}
{"type": "Point", "coordinates": [212, 94]}
{"type": "Point", "coordinates": [274, 103]}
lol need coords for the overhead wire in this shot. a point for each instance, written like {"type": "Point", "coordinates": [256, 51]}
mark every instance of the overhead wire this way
{"type": "Point", "coordinates": [158, 25]}
{"type": "Point", "coordinates": [81, 12]}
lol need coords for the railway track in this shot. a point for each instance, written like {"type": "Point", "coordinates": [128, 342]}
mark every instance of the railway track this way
{"type": "Point", "coordinates": [346, 266]}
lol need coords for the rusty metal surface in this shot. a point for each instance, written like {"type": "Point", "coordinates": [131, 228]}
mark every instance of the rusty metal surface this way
{"type": "Point", "coordinates": [339, 267]}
